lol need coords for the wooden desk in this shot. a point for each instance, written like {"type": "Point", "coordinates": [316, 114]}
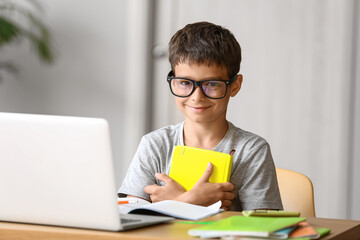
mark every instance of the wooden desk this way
{"type": "Point", "coordinates": [340, 230]}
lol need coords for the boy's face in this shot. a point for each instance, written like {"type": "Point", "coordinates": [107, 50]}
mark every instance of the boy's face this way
{"type": "Point", "coordinates": [197, 107]}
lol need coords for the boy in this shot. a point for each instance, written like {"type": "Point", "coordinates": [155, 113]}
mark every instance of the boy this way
{"type": "Point", "coordinates": [205, 61]}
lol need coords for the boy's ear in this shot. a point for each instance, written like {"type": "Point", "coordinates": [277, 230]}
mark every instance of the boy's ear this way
{"type": "Point", "coordinates": [236, 86]}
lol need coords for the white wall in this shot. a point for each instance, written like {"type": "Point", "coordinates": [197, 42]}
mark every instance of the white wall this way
{"type": "Point", "coordinates": [354, 199]}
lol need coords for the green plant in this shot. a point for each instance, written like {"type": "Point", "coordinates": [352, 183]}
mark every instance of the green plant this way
{"type": "Point", "coordinates": [20, 21]}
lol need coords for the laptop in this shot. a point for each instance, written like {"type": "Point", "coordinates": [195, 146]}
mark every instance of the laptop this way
{"type": "Point", "coordinates": [58, 170]}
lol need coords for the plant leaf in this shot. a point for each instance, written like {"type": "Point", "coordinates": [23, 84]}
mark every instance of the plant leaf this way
{"type": "Point", "coordinates": [44, 51]}
{"type": "Point", "coordinates": [8, 31]}
{"type": "Point", "coordinates": [42, 40]}
{"type": "Point", "coordinates": [35, 30]}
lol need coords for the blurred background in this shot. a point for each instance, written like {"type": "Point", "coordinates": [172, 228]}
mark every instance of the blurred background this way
{"type": "Point", "coordinates": [301, 89]}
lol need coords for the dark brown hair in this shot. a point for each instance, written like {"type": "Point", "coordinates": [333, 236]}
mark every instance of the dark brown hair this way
{"type": "Point", "coordinates": [205, 43]}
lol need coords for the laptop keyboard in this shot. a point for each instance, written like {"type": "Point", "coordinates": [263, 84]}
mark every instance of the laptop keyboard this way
{"type": "Point", "coordinates": [124, 220]}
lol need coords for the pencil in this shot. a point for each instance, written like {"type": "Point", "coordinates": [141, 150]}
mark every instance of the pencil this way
{"type": "Point", "coordinates": [127, 202]}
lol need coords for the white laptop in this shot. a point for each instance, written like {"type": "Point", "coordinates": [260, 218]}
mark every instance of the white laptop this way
{"type": "Point", "coordinates": [58, 170]}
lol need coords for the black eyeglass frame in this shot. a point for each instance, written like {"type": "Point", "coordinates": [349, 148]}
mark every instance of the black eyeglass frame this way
{"type": "Point", "coordinates": [199, 84]}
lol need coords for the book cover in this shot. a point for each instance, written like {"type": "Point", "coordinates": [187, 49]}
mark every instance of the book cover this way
{"type": "Point", "coordinates": [247, 226]}
{"type": "Point", "coordinates": [323, 231]}
{"type": "Point", "coordinates": [304, 230]}
{"type": "Point", "coordinates": [189, 163]}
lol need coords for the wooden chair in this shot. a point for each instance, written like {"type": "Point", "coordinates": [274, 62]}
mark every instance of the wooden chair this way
{"type": "Point", "coordinates": [297, 193]}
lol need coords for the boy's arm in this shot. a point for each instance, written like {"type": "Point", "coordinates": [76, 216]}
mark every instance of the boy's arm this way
{"type": "Point", "coordinates": [258, 182]}
{"type": "Point", "coordinates": [131, 196]}
{"type": "Point", "coordinates": [140, 172]}
{"type": "Point", "coordinates": [203, 193]}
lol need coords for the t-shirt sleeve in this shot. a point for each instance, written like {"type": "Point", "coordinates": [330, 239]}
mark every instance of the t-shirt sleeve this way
{"type": "Point", "coordinates": [259, 187]}
{"type": "Point", "coordinates": [141, 171]}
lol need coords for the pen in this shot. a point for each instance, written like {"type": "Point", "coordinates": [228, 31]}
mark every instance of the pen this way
{"type": "Point", "coordinates": [270, 213]}
{"type": "Point", "coordinates": [128, 202]}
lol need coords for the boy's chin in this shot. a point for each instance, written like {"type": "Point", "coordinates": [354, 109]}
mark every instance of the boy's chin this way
{"type": "Point", "coordinates": [203, 119]}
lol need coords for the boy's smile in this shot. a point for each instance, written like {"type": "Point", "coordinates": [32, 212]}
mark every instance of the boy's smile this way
{"type": "Point", "coordinates": [197, 107]}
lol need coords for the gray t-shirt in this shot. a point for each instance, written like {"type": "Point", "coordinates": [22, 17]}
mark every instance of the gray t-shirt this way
{"type": "Point", "coordinates": [253, 171]}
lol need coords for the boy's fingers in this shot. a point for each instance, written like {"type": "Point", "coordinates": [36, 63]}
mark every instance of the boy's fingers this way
{"type": "Point", "coordinates": [163, 177]}
{"type": "Point", "coordinates": [150, 189]}
{"type": "Point", "coordinates": [225, 203]}
{"type": "Point", "coordinates": [206, 175]}
{"type": "Point", "coordinates": [227, 187]}
{"type": "Point", "coordinates": [229, 196]}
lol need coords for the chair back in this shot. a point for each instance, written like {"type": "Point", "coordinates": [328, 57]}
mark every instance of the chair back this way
{"type": "Point", "coordinates": [297, 193]}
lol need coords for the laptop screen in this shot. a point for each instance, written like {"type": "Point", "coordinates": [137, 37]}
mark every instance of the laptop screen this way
{"type": "Point", "coordinates": [57, 170]}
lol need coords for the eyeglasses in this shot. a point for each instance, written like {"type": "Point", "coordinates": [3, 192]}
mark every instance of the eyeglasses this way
{"type": "Point", "coordinates": [184, 87]}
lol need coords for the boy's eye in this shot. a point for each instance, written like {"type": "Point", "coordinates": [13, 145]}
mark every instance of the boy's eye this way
{"type": "Point", "coordinates": [212, 84]}
{"type": "Point", "coordinates": [185, 82]}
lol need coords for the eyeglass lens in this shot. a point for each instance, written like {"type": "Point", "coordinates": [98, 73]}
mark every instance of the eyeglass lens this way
{"type": "Point", "coordinates": [211, 88]}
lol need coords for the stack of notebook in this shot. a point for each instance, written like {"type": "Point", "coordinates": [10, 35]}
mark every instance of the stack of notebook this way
{"type": "Point", "coordinates": [187, 166]}
{"type": "Point", "coordinates": [264, 227]}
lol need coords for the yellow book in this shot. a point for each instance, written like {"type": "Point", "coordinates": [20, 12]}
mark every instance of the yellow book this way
{"type": "Point", "coordinates": [189, 163]}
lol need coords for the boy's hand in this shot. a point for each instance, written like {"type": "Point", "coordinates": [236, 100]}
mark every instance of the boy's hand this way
{"type": "Point", "coordinates": [170, 191]}
{"type": "Point", "coordinates": [205, 193]}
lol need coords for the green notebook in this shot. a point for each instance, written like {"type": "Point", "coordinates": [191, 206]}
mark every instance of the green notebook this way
{"type": "Point", "coordinates": [246, 226]}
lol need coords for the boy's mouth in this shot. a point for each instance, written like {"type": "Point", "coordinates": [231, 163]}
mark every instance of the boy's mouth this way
{"type": "Point", "coordinates": [197, 108]}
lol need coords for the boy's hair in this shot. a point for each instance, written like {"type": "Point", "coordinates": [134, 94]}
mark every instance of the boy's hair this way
{"type": "Point", "coordinates": [205, 43]}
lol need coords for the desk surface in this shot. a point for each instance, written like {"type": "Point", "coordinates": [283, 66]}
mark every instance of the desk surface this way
{"type": "Point", "coordinates": [340, 229]}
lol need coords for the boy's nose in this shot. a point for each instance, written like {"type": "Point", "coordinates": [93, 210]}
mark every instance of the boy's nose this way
{"type": "Point", "coordinates": [197, 95]}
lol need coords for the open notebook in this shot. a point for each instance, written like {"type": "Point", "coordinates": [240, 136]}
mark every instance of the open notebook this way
{"type": "Point", "coordinates": [58, 170]}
